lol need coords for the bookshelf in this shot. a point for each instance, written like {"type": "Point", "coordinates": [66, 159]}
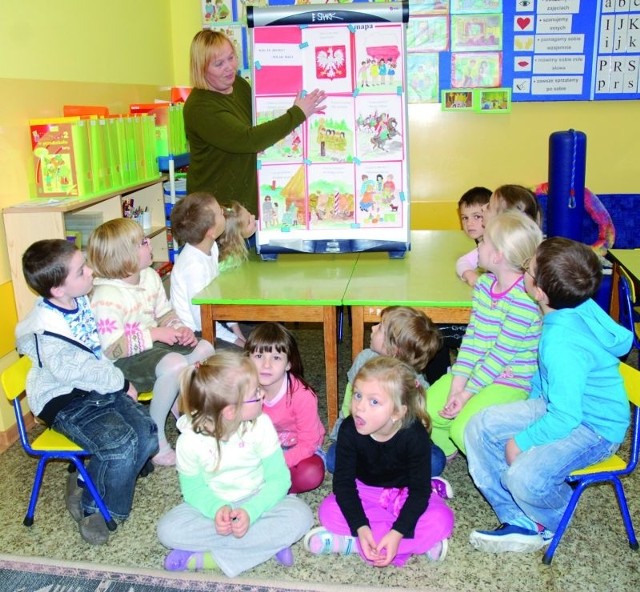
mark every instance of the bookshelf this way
{"type": "Point", "coordinates": [39, 219]}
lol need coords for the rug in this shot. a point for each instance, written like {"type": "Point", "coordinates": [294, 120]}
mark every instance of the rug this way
{"type": "Point", "coordinates": [31, 574]}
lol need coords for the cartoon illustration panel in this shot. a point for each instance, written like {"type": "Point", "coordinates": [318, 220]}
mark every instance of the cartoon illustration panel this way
{"type": "Point", "coordinates": [282, 191]}
{"type": "Point", "coordinates": [331, 198]}
{"type": "Point", "coordinates": [422, 77]}
{"type": "Point", "coordinates": [277, 60]}
{"type": "Point", "coordinates": [290, 148]}
{"type": "Point", "coordinates": [328, 59]}
{"type": "Point", "coordinates": [217, 12]}
{"type": "Point", "coordinates": [380, 194]}
{"type": "Point", "coordinates": [378, 56]}
{"type": "Point", "coordinates": [380, 127]}
{"type": "Point", "coordinates": [331, 135]}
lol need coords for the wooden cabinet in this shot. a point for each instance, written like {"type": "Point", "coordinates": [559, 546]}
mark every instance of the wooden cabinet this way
{"type": "Point", "coordinates": [39, 219]}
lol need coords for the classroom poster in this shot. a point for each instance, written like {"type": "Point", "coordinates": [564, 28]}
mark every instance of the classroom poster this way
{"type": "Point", "coordinates": [342, 175]}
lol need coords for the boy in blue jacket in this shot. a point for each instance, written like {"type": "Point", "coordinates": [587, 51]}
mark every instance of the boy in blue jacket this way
{"type": "Point", "coordinates": [577, 414]}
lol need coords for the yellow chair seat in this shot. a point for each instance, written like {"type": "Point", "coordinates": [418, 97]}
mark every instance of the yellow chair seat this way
{"type": "Point", "coordinates": [613, 463]}
{"type": "Point", "coordinates": [52, 440]}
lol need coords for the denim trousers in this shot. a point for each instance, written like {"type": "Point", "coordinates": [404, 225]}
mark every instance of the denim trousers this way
{"type": "Point", "coordinates": [120, 436]}
{"type": "Point", "coordinates": [533, 489]}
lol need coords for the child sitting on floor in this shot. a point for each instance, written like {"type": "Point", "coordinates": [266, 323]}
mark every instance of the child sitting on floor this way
{"type": "Point", "coordinates": [236, 512]}
{"type": "Point", "coordinates": [382, 505]}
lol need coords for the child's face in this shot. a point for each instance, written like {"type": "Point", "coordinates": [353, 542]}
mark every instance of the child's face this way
{"type": "Point", "coordinates": [486, 254]}
{"type": "Point", "coordinates": [247, 223]}
{"type": "Point", "coordinates": [530, 278]}
{"type": "Point", "coordinates": [377, 339]}
{"type": "Point", "coordinates": [272, 367]}
{"type": "Point", "coordinates": [472, 218]}
{"type": "Point", "coordinates": [79, 280]}
{"type": "Point", "coordinates": [220, 222]}
{"type": "Point", "coordinates": [145, 253]}
{"type": "Point", "coordinates": [252, 403]}
{"type": "Point", "coordinates": [373, 411]}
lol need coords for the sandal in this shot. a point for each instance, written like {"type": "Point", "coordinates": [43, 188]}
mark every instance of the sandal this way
{"type": "Point", "coordinates": [284, 557]}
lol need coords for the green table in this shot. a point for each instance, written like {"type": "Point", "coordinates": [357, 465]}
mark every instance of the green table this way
{"type": "Point", "coordinates": [630, 260]}
{"type": "Point", "coordinates": [425, 279]}
{"type": "Point", "coordinates": [294, 288]}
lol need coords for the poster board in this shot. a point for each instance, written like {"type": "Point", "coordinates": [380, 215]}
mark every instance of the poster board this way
{"type": "Point", "coordinates": [339, 182]}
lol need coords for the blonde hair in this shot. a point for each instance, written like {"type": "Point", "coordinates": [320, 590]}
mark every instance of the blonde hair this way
{"type": "Point", "coordinates": [207, 388]}
{"type": "Point", "coordinates": [398, 380]}
{"type": "Point", "coordinates": [112, 250]}
{"type": "Point", "coordinates": [515, 235]}
{"type": "Point", "coordinates": [205, 46]}
{"type": "Point", "coordinates": [232, 245]}
{"type": "Point", "coordinates": [410, 336]}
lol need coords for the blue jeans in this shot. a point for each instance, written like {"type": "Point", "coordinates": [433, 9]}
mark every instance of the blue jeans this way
{"type": "Point", "coordinates": [438, 459]}
{"type": "Point", "coordinates": [120, 436]}
{"type": "Point", "coordinates": [533, 489]}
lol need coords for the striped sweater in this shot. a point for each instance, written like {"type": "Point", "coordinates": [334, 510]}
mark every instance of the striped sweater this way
{"type": "Point", "coordinates": [500, 345]}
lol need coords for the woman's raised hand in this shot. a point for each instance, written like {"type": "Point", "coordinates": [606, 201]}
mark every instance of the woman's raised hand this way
{"type": "Point", "coordinates": [311, 102]}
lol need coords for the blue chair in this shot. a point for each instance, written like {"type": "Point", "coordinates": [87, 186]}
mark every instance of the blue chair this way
{"type": "Point", "coordinates": [608, 471]}
{"type": "Point", "coordinates": [50, 445]}
{"type": "Point", "coordinates": [628, 314]}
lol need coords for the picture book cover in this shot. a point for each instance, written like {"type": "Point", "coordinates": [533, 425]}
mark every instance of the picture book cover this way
{"type": "Point", "coordinates": [331, 201]}
{"type": "Point", "coordinates": [380, 125]}
{"type": "Point", "coordinates": [282, 190]}
{"type": "Point", "coordinates": [379, 51]}
{"type": "Point", "coordinates": [327, 59]}
{"type": "Point", "coordinates": [291, 147]}
{"type": "Point", "coordinates": [380, 194]}
{"type": "Point", "coordinates": [331, 134]}
{"type": "Point", "coordinates": [277, 61]}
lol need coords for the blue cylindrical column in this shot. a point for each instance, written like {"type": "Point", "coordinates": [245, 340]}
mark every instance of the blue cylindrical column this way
{"type": "Point", "coordinates": [567, 164]}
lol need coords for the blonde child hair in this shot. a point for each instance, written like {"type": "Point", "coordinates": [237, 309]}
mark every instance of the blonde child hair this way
{"type": "Point", "coordinates": [232, 243]}
{"type": "Point", "coordinates": [398, 380]}
{"type": "Point", "coordinates": [112, 252]}
{"type": "Point", "coordinates": [207, 388]}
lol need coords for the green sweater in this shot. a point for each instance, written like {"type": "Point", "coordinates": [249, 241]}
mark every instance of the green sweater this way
{"type": "Point", "coordinates": [224, 143]}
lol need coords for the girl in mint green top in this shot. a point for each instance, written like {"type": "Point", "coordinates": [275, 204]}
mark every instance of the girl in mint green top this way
{"type": "Point", "coordinates": [234, 480]}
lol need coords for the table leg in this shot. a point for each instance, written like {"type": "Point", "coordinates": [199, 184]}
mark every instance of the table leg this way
{"type": "Point", "coordinates": [208, 323]}
{"type": "Point", "coordinates": [357, 330]}
{"type": "Point", "coordinates": [331, 362]}
{"type": "Point", "coordinates": [614, 307]}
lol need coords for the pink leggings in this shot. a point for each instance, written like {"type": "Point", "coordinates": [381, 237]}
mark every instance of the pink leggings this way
{"type": "Point", "coordinates": [381, 507]}
{"type": "Point", "coordinates": [307, 474]}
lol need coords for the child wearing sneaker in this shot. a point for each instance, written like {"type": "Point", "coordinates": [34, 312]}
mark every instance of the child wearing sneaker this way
{"type": "Point", "coordinates": [137, 326]}
{"type": "Point", "coordinates": [382, 506]}
{"type": "Point", "coordinates": [577, 414]}
{"type": "Point", "coordinates": [409, 335]}
{"type": "Point", "coordinates": [290, 403]}
{"type": "Point", "coordinates": [75, 389]}
{"type": "Point", "coordinates": [236, 512]}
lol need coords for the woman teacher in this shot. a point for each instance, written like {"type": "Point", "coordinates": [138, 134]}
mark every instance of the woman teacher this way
{"type": "Point", "coordinates": [223, 141]}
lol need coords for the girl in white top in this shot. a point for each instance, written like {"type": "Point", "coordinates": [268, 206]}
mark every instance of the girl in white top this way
{"type": "Point", "coordinates": [236, 513]}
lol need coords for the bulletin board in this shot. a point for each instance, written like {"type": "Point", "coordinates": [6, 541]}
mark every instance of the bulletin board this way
{"type": "Point", "coordinates": [339, 182]}
{"type": "Point", "coordinates": [539, 50]}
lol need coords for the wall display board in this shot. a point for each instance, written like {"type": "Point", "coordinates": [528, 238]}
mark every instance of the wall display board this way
{"type": "Point", "coordinates": [339, 182]}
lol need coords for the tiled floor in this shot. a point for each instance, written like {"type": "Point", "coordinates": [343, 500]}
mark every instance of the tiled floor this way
{"type": "Point", "coordinates": [594, 554]}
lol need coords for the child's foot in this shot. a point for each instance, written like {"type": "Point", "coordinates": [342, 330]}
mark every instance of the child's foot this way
{"type": "Point", "coordinates": [508, 537]}
{"type": "Point", "coordinates": [320, 541]}
{"type": "Point", "coordinates": [148, 468]}
{"type": "Point", "coordinates": [439, 551]}
{"type": "Point", "coordinates": [441, 487]}
{"type": "Point", "coordinates": [93, 529]}
{"type": "Point", "coordinates": [166, 457]}
{"type": "Point", "coordinates": [285, 557]}
{"type": "Point", "coordinates": [178, 560]}
{"type": "Point", "coordinates": [73, 497]}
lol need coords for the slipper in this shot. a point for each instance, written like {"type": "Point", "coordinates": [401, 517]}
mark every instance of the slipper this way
{"type": "Point", "coordinates": [285, 557]}
{"type": "Point", "coordinates": [328, 542]}
{"type": "Point", "coordinates": [178, 560]}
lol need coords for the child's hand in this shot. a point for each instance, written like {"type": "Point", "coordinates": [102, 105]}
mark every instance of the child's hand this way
{"type": "Point", "coordinates": [239, 522]}
{"type": "Point", "coordinates": [132, 392]}
{"type": "Point", "coordinates": [388, 548]}
{"type": "Point", "coordinates": [167, 335]}
{"type": "Point", "coordinates": [471, 277]}
{"type": "Point", "coordinates": [455, 403]}
{"type": "Point", "coordinates": [186, 337]}
{"type": "Point", "coordinates": [368, 544]}
{"type": "Point", "coordinates": [511, 451]}
{"type": "Point", "coordinates": [222, 521]}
